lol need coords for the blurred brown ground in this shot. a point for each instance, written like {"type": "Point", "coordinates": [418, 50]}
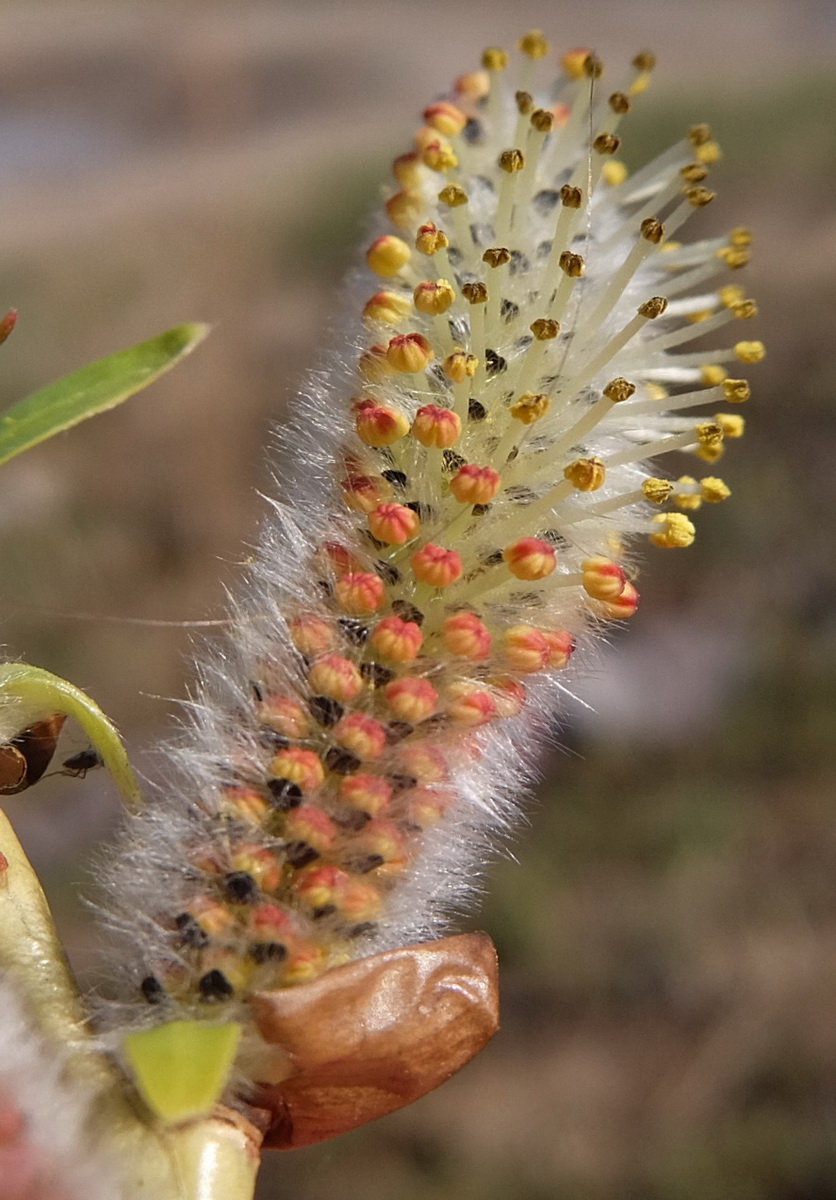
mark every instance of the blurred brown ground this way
{"type": "Point", "coordinates": [668, 934]}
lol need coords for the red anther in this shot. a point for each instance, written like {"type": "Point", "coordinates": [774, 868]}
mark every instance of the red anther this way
{"type": "Point", "coordinates": [397, 639]}
{"type": "Point", "coordinates": [360, 592]}
{"type": "Point", "coordinates": [466, 636]}
{"type": "Point", "coordinates": [475, 485]}
{"type": "Point", "coordinates": [411, 700]}
{"type": "Point", "coordinates": [394, 524]}
{"type": "Point", "coordinates": [530, 558]}
{"type": "Point", "coordinates": [335, 677]}
{"type": "Point", "coordinates": [362, 735]}
{"type": "Point", "coordinates": [436, 566]}
{"type": "Point", "coordinates": [301, 767]}
{"type": "Point", "coordinates": [438, 427]}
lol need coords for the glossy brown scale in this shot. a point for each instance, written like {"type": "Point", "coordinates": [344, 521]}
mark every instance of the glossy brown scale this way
{"type": "Point", "coordinates": [25, 758]}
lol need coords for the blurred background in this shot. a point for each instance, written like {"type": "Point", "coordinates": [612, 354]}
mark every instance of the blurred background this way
{"type": "Point", "coordinates": [668, 931]}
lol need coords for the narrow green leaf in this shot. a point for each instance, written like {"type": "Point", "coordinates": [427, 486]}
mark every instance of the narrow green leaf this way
{"type": "Point", "coordinates": [93, 389]}
{"type": "Point", "coordinates": [36, 693]}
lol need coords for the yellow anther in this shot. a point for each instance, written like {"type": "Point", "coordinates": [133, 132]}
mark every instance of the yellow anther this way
{"type": "Point", "coordinates": [735, 258]}
{"type": "Point", "coordinates": [460, 366]}
{"type": "Point", "coordinates": [495, 59]}
{"type": "Point", "coordinates": [653, 308]}
{"type": "Point", "coordinates": [606, 143]}
{"type": "Point", "coordinates": [699, 196]}
{"type": "Point", "coordinates": [708, 434]}
{"type": "Point", "coordinates": [544, 329]}
{"type": "Point", "coordinates": [431, 239]}
{"type": "Point", "coordinates": [652, 230]}
{"type": "Point", "coordinates": [619, 390]}
{"type": "Point", "coordinates": [620, 103]}
{"type": "Point", "coordinates": [529, 408]}
{"type": "Point", "coordinates": [525, 102]}
{"type": "Point", "coordinates": [571, 197]}
{"type": "Point", "coordinates": [698, 135]}
{"type": "Point", "coordinates": [736, 391]}
{"type": "Point", "coordinates": [614, 172]}
{"type": "Point", "coordinates": [453, 195]}
{"type": "Point", "coordinates": [533, 44]}
{"type": "Point", "coordinates": [709, 153]}
{"type": "Point", "coordinates": [740, 236]}
{"type": "Point", "coordinates": [744, 310]}
{"type": "Point", "coordinates": [713, 375]}
{"type": "Point", "coordinates": [433, 299]}
{"type": "Point", "coordinates": [730, 294]}
{"type": "Point", "coordinates": [496, 256]}
{"type": "Point", "coordinates": [690, 500]}
{"type": "Point", "coordinates": [714, 490]}
{"type": "Point", "coordinates": [641, 84]}
{"type": "Point", "coordinates": [585, 474]}
{"type": "Point", "coordinates": [405, 208]}
{"type": "Point", "coordinates": [750, 352]}
{"type": "Point", "coordinates": [731, 424]}
{"type": "Point", "coordinates": [675, 531]}
{"type": "Point", "coordinates": [695, 318]}
{"type": "Point", "coordinates": [475, 293]}
{"type": "Point", "coordinates": [573, 63]}
{"type": "Point", "coordinates": [445, 117]}
{"type": "Point", "coordinates": [387, 255]}
{"type": "Point", "coordinates": [407, 170]}
{"type": "Point", "coordinates": [657, 491]}
{"type": "Point", "coordinates": [511, 161]}
{"type": "Point", "coordinates": [711, 454]}
{"type": "Point", "coordinates": [694, 172]}
{"type": "Point", "coordinates": [387, 307]}
{"type": "Point", "coordinates": [542, 120]}
{"type": "Point", "coordinates": [656, 391]}
{"type": "Point", "coordinates": [439, 156]}
{"type": "Point", "coordinates": [572, 265]}
{"type": "Point", "coordinates": [669, 247]}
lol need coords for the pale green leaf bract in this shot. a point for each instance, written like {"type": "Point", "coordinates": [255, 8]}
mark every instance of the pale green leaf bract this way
{"type": "Point", "coordinates": [93, 389]}
{"type": "Point", "coordinates": [181, 1069]}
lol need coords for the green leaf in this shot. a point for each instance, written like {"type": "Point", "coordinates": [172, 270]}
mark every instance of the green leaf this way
{"type": "Point", "coordinates": [35, 693]}
{"type": "Point", "coordinates": [93, 389]}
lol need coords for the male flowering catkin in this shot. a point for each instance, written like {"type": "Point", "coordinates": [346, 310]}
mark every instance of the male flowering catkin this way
{"type": "Point", "coordinates": [463, 491]}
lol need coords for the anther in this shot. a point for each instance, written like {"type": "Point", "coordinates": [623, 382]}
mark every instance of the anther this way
{"type": "Point", "coordinates": [409, 353]}
{"type": "Point", "coordinates": [530, 408]}
{"type": "Point", "coordinates": [750, 352]}
{"type": "Point", "coordinates": [694, 172]}
{"type": "Point", "coordinates": [572, 265]}
{"type": "Point", "coordinates": [736, 391]}
{"type": "Point", "coordinates": [387, 256]}
{"type": "Point", "coordinates": [744, 310]}
{"type": "Point", "coordinates": [433, 299]}
{"type": "Point", "coordinates": [475, 293]}
{"type": "Point", "coordinates": [511, 161]}
{"type": "Point", "coordinates": [460, 366]}
{"type": "Point", "coordinates": [699, 196]}
{"type": "Point", "coordinates": [525, 103]}
{"type": "Point", "coordinates": [533, 44]}
{"type": "Point", "coordinates": [652, 230]}
{"type": "Point", "coordinates": [571, 197]}
{"type": "Point", "coordinates": [530, 559]}
{"type": "Point", "coordinates": [453, 195]}
{"type": "Point", "coordinates": [645, 60]}
{"type": "Point", "coordinates": [405, 208]}
{"type": "Point", "coordinates": [657, 491]}
{"type": "Point", "coordinates": [676, 531]}
{"type": "Point", "coordinates": [585, 474]}
{"type": "Point", "coordinates": [698, 135]}
{"type": "Point", "coordinates": [394, 524]}
{"type": "Point", "coordinates": [544, 329]}
{"type": "Point", "coordinates": [495, 59]}
{"type": "Point", "coordinates": [436, 427]}
{"type": "Point", "coordinates": [619, 390]}
{"type": "Point", "coordinates": [620, 103]}
{"type": "Point", "coordinates": [709, 434]}
{"type": "Point", "coordinates": [496, 256]}
{"type": "Point", "coordinates": [606, 143]}
{"type": "Point", "coordinates": [653, 308]}
{"type": "Point", "coordinates": [430, 239]}
{"type": "Point", "coordinates": [446, 118]}
{"type": "Point", "coordinates": [542, 120]}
